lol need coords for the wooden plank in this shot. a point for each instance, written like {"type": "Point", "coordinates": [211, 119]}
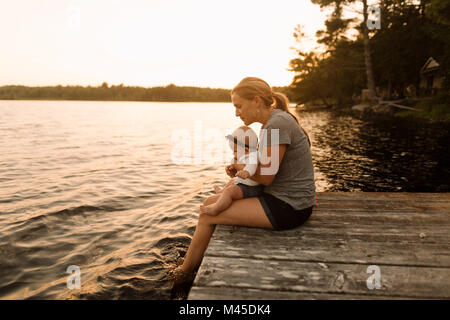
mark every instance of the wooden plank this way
{"type": "Point", "coordinates": [269, 245]}
{"type": "Point", "coordinates": [367, 234]}
{"type": "Point", "coordinates": [294, 276]}
{"type": "Point", "coordinates": [375, 226]}
{"type": "Point", "coordinates": [214, 293]}
{"type": "Point", "coordinates": [379, 196]}
{"type": "Point", "coordinates": [348, 231]}
{"type": "Point", "coordinates": [381, 220]}
{"type": "Point", "coordinates": [382, 217]}
{"type": "Point", "coordinates": [400, 206]}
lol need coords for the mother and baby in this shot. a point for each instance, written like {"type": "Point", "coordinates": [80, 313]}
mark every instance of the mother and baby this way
{"type": "Point", "coordinates": [271, 186]}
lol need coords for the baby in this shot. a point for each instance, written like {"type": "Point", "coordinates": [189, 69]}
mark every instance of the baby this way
{"type": "Point", "coordinates": [244, 143]}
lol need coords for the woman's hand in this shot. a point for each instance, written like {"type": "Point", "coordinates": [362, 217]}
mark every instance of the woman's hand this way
{"type": "Point", "coordinates": [243, 174]}
{"type": "Point", "coordinates": [231, 171]}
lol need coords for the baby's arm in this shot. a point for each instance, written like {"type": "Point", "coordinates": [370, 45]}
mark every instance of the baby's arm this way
{"type": "Point", "coordinates": [243, 174]}
{"type": "Point", "coordinates": [248, 171]}
{"type": "Point", "coordinates": [239, 166]}
{"type": "Point", "coordinates": [249, 168]}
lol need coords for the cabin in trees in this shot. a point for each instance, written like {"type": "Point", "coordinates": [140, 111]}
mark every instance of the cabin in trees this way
{"type": "Point", "coordinates": [431, 78]}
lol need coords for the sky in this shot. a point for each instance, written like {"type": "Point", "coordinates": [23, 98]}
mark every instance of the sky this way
{"type": "Point", "coordinates": [206, 43]}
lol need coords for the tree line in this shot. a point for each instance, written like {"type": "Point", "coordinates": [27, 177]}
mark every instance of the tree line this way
{"type": "Point", "coordinates": [104, 92]}
{"type": "Point", "coordinates": [116, 93]}
{"type": "Point", "coordinates": [351, 57]}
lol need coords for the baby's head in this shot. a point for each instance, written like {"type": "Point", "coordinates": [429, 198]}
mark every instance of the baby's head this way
{"type": "Point", "coordinates": [242, 141]}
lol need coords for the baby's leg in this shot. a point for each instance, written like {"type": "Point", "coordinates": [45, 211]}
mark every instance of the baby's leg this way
{"type": "Point", "coordinates": [230, 193]}
{"type": "Point", "coordinates": [229, 183]}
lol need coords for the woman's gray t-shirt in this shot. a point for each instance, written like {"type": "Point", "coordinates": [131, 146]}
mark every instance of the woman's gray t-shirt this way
{"type": "Point", "coordinates": [294, 181]}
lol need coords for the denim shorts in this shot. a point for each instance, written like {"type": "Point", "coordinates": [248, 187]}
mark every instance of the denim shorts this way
{"type": "Point", "coordinates": [250, 191]}
{"type": "Point", "coordinates": [282, 215]}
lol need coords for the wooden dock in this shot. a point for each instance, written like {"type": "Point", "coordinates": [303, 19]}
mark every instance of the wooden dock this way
{"type": "Point", "coordinates": [406, 235]}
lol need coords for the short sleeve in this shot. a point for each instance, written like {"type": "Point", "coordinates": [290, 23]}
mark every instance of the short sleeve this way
{"type": "Point", "coordinates": [275, 133]}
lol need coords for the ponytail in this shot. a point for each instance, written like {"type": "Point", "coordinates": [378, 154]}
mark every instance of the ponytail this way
{"type": "Point", "coordinates": [282, 103]}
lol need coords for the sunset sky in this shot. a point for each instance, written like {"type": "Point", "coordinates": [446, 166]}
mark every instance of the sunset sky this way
{"type": "Point", "coordinates": [208, 43]}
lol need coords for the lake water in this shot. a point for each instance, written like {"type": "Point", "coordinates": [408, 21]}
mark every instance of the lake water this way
{"type": "Point", "coordinates": [113, 188]}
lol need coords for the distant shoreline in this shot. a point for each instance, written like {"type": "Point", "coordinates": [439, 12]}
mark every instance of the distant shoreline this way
{"type": "Point", "coordinates": [87, 100]}
{"type": "Point", "coordinates": [104, 92]}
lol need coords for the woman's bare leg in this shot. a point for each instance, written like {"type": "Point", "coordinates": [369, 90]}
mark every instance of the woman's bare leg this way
{"type": "Point", "coordinates": [233, 192]}
{"type": "Point", "coordinates": [245, 212]}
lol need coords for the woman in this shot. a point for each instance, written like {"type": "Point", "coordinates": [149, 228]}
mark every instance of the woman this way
{"type": "Point", "coordinates": [286, 171]}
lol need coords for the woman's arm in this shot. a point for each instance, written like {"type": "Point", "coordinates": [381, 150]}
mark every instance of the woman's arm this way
{"type": "Point", "coordinates": [261, 176]}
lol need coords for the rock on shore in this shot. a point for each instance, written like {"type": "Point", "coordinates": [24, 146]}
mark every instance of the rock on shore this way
{"type": "Point", "coordinates": [378, 109]}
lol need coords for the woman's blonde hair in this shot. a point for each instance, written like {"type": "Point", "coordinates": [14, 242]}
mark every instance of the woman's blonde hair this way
{"type": "Point", "coordinates": [250, 87]}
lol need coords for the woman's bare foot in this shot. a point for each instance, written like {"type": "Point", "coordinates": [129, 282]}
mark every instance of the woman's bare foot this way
{"type": "Point", "coordinates": [209, 210]}
{"type": "Point", "coordinates": [178, 276]}
{"type": "Point", "coordinates": [217, 189]}
{"type": "Point", "coordinates": [180, 261]}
